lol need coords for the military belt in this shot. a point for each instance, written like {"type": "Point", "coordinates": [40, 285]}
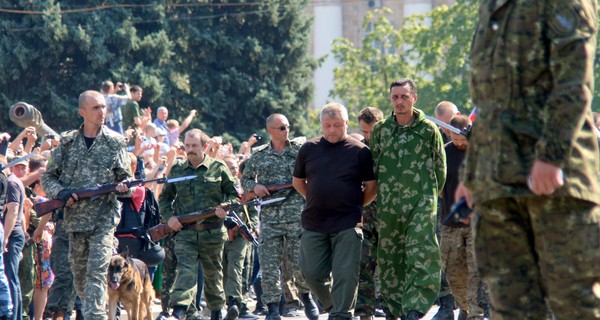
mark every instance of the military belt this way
{"type": "Point", "coordinates": [208, 226]}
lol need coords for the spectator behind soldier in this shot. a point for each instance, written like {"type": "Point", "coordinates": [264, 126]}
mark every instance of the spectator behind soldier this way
{"type": "Point", "coordinates": [331, 172]}
{"type": "Point", "coordinates": [174, 129]}
{"type": "Point", "coordinates": [131, 112]}
{"type": "Point", "coordinates": [14, 237]}
{"type": "Point", "coordinates": [114, 102]}
{"type": "Point", "coordinates": [161, 122]}
{"type": "Point", "coordinates": [6, 306]}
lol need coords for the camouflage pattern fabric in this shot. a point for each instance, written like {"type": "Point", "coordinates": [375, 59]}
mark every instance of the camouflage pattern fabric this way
{"type": "Point", "coordinates": [280, 223]}
{"type": "Point", "coordinates": [365, 300]}
{"type": "Point", "coordinates": [27, 277]}
{"type": "Point", "coordinates": [62, 294]}
{"type": "Point", "coordinates": [458, 258]}
{"type": "Point", "coordinates": [273, 238]}
{"type": "Point", "coordinates": [268, 167]}
{"type": "Point", "coordinates": [168, 273]}
{"type": "Point", "coordinates": [214, 185]}
{"type": "Point", "coordinates": [234, 255]}
{"type": "Point", "coordinates": [130, 111]}
{"type": "Point", "coordinates": [89, 256]}
{"type": "Point", "coordinates": [410, 165]}
{"type": "Point", "coordinates": [73, 165]}
{"type": "Point", "coordinates": [90, 223]}
{"type": "Point", "coordinates": [532, 82]}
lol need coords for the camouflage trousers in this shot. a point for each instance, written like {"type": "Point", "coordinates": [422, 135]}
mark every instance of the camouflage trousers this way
{"type": "Point", "coordinates": [61, 295]}
{"type": "Point", "coordinates": [460, 266]}
{"type": "Point", "coordinates": [206, 246]}
{"type": "Point", "coordinates": [536, 249]}
{"type": "Point", "coordinates": [234, 256]}
{"type": "Point", "coordinates": [365, 300]}
{"type": "Point", "coordinates": [90, 254]}
{"type": "Point", "coordinates": [27, 277]}
{"type": "Point", "coordinates": [168, 273]}
{"type": "Point", "coordinates": [408, 257]}
{"type": "Point", "coordinates": [275, 240]}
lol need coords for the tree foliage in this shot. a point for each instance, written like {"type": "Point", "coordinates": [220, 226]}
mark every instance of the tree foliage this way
{"type": "Point", "coordinates": [431, 48]}
{"type": "Point", "coordinates": [234, 61]}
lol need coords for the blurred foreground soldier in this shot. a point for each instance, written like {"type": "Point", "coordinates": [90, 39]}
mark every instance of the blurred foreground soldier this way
{"type": "Point", "coordinates": [91, 155]}
{"type": "Point", "coordinates": [411, 171]}
{"type": "Point", "coordinates": [331, 172]}
{"type": "Point", "coordinates": [532, 162]}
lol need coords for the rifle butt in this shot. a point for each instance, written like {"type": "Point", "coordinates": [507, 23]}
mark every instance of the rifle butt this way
{"type": "Point", "coordinates": [43, 208]}
{"type": "Point", "coordinates": [160, 231]}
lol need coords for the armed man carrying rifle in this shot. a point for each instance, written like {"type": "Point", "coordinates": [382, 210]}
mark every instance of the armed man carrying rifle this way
{"type": "Point", "coordinates": [205, 240]}
{"type": "Point", "coordinates": [91, 155]}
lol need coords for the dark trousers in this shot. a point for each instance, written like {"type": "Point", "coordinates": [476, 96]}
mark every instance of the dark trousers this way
{"type": "Point", "coordinates": [336, 254]}
{"type": "Point", "coordinates": [16, 241]}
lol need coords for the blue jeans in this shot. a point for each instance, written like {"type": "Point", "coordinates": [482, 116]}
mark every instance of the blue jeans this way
{"type": "Point", "coordinates": [6, 306]}
{"type": "Point", "coordinates": [16, 241]}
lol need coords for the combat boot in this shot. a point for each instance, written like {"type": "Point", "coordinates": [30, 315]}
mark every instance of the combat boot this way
{"type": "Point", "coordinates": [414, 315]}
{"type": "Point", "coordinates": [310, 307]}
{"type": "Point", "coordinates": [446, 310]}
{"type": "Point", "coordinates": [216, 315]}
{"type": "Point", "coordinates": [273, 312]}
{"type": "Point", "coordinates": [178, 313]}
{"type": "Point", "coordinates": [245, 313]}
{"type": "Point", "coordinates": [233, 312]}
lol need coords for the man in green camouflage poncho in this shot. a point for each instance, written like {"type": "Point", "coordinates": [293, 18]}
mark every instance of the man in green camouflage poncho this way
{"type": "Point", "coordinates": [410, 165]}
{"type": "Point", "coordinates": [86, 157]}
{"type": "Point", "coordinates": [532, 163]}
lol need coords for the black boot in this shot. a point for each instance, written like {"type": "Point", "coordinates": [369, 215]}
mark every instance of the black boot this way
{"type": "Point", "coordinates": [273, 312]}
{"type": "Point", "coordinates": [216, 315]}
{"type": "Point", "coordinates": [463, 315]}
{"type": "Point", "coordinates": [414, 315]}
{"type": "Point", "coordinates": [179, 313]}
{"type": "Point", "coordinates": [245, 313]}
{"type": "Point", "coordinates": [310, 307]}
{"type": "Point", "coordinates": [233, 312]}
{"type": "Point", "coordinates": [446, 310]}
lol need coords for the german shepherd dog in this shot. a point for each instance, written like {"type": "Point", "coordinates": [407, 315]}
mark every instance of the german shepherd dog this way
{"type": "Point", "coordinates": [129, 283]}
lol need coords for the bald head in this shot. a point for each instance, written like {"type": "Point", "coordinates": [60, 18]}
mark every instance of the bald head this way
{"type": "Point", "coordinates": [89, 95]}
{"type": "Point", "coordinates": [445, 110]}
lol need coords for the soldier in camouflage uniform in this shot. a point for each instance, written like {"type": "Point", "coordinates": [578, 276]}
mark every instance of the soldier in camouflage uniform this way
{"type": "Point", "coordinates": [280, 227]}
{"type": "Point", "coordinates": [204, 241]}
{"type": "Point", "coordinates": [410, 165]}
{"type": "Point", "coordinates": [532, 163]}
{"type": "Point", "coordinates": [366, 298]}
{"type": "Point", "coordinates": [86, 157]}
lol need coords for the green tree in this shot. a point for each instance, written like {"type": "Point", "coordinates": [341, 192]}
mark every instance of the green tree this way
{"type": "Point", "coordinates": [234, 61]}
{"type": "Point", "coordinates": [431, 48]}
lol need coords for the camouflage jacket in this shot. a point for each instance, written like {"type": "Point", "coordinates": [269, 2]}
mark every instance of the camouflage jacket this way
{"type": "Point", "coordinates": [73, 165]}
{"type": "Point", "coordinates": [532, 83]}
{"type": "Point", "coordinates": [410, 162]}
{"type": "Point", "coordinates": [214, 185]}
{"type": "Point", "coordinates": [268, 167]}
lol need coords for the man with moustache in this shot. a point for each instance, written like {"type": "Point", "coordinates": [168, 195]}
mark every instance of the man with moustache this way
{"type": "Point", "coordinates": [86, 157]}
{"type": "Point", "coordinates": [203, 242]}
{"type": "Point", "coordinates": [411, 170]}
{"type": "Point", "coordinates": [331, 172]}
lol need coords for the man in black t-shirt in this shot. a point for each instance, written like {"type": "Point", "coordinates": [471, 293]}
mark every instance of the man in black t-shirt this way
{"type": "Point", "coordinates": [330, 172]}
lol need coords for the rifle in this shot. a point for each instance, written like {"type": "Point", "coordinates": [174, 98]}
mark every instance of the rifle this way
{"type": "Point", "coordinates": [248, 196]}
{"type": "Point", "coordinates": [459, 211]}
{"type": "Point", "coordinates": [94, 193]}
{"type": "Point", "coordinates": [465, 131]}
{"type": "Point", "coordinates": [163, 230]}
{"type": "Point", "coordinates": [236, 224]}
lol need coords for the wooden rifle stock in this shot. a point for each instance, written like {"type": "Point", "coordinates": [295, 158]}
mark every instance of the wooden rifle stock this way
{"type": "Point", "coordinates": [248, 196]}
{"type": "Point", "coordinates": [45, 207]}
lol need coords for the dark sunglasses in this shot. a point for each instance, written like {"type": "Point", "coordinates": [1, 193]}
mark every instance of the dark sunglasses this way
{"type": "Point", "coordinates": [282, 128]}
